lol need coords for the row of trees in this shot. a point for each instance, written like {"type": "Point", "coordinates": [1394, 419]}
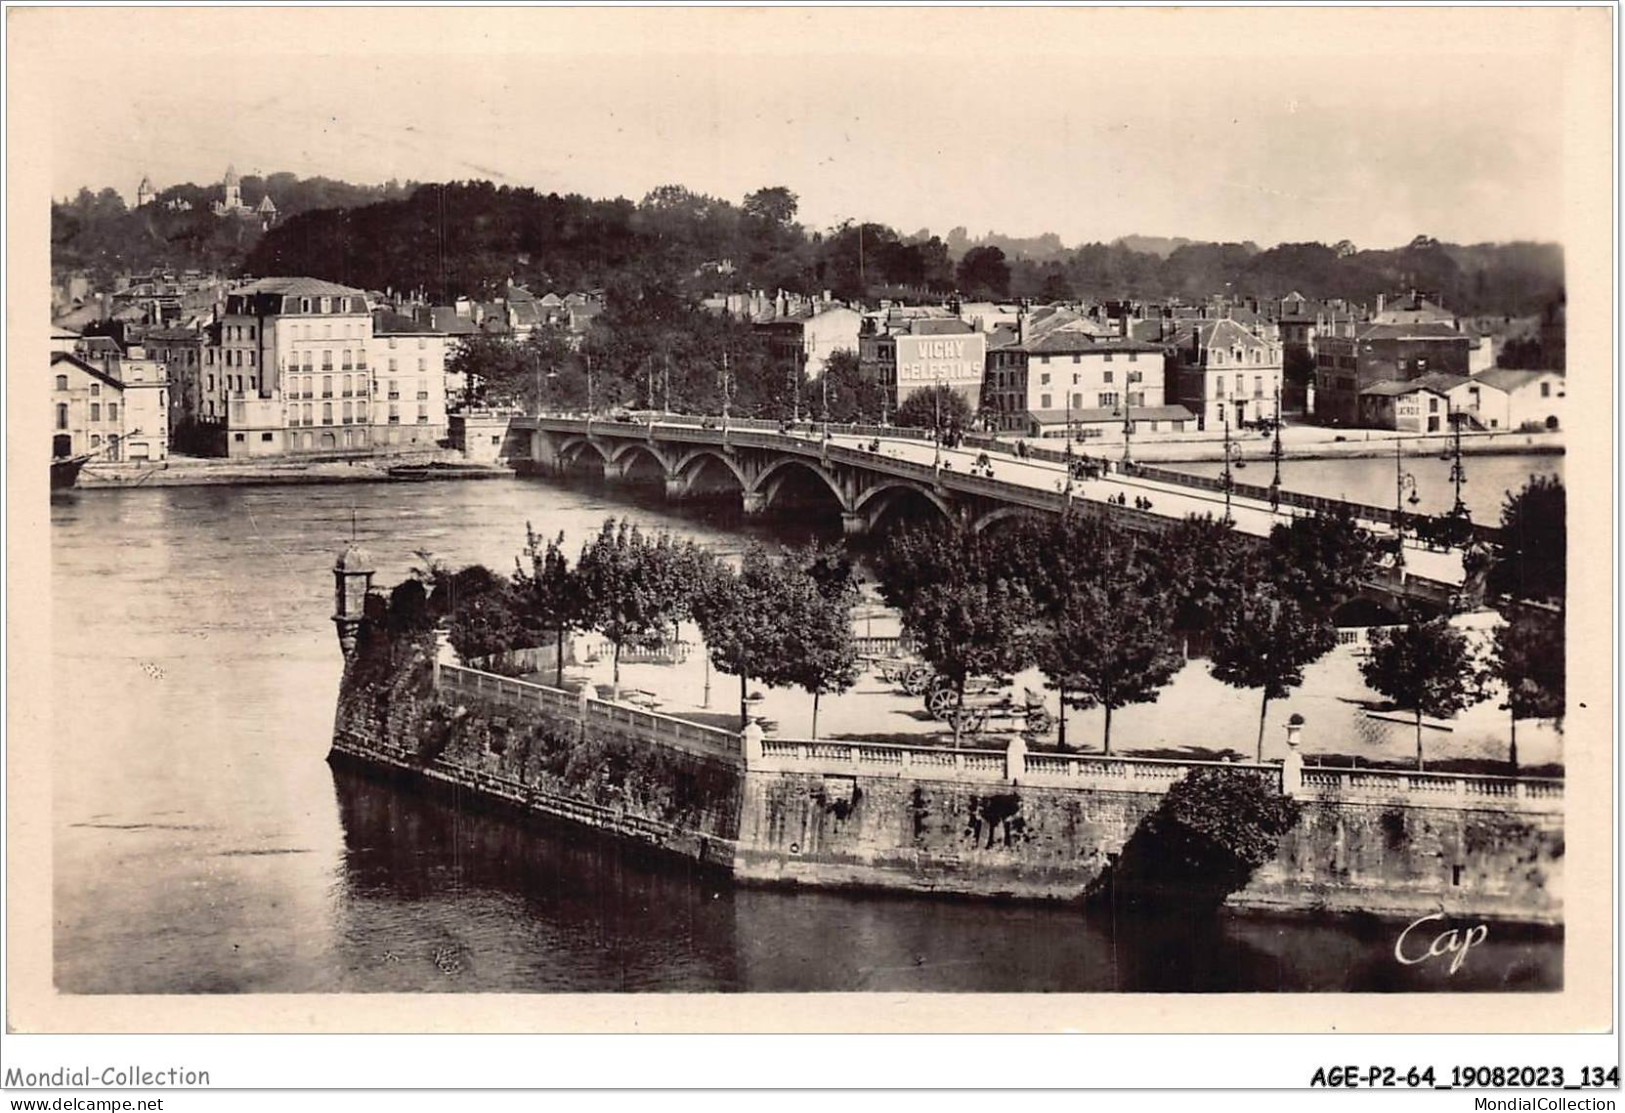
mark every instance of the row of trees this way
{"type": "Point", "coordinates": [1103, 613]}
{"type": "Point", "coordinates": [781, 619]}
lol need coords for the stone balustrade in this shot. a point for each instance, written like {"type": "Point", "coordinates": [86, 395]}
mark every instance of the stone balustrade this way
{"type": "Point", "coordinates": [1013, 765]}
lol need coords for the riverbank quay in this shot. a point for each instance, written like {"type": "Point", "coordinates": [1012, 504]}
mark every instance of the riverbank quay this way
{"type": "Point", "coordinates": [928, 818]}
{"type": "Point", "coordinates": [207, 472]}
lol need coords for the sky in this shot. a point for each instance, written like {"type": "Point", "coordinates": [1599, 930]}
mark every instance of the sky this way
{"type": "Point", "coordinates": [1268, 125]}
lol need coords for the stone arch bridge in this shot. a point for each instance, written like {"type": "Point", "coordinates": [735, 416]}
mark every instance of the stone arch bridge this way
{"type": "Point", "coordinates": [771, 469]}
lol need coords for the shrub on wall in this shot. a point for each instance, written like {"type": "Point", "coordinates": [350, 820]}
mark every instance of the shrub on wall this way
{"type": "Point", "coordinates": [1205, 839]}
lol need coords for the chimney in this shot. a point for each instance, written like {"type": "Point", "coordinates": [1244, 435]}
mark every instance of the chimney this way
{"type": "Point", "coordinates": [1021, 327]}
{"type": "Point", "coordinates": [1128, 328]}
{"type": "Point", "coordinates": [1380, 302]}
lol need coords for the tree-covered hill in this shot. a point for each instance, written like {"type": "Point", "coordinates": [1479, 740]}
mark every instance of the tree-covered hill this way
{"type": "Point", "coordinates": [471, 238]}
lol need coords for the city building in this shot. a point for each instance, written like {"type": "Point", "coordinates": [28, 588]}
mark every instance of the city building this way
{"type": "Point", "coordinates": [1056, 361]}
{"type": "Point", "coordinates": [1347, 363]}
{"type": "Point", "coordinates": [286, 369]}
{"type": "Point", "coordinates": [906, 352]}
{"type": "Point", "coordinates": [1405, 406]}
{"type": "Point", "coordinates": [1509, 399]}
{"type": "Point", "coordinates": [809, 333]}
{"type": "Point", "coordinates": [145, 436]}
{"type": "Point", "coordinates": [180, 351]}
{"type": "Point", "coordinates": [85, 408]}
{"type": "Point", "coordinates": [410, 381]}
{"type": "Point", "coordinates": [1222, 371]}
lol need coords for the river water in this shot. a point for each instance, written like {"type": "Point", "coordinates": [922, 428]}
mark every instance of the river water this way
{"type": "Point", "coordinates": [202, 844]}
{"type": "Point", "coordinates": [1372, 482]}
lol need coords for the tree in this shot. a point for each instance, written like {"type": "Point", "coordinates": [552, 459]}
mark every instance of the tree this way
{"type": "Point", "coordinates": [964, 616]}
{"type": "Point", "coordinates": [631, 588]}
{"type": "Point", "coordinates": [1534, 542]}
{"type": "Point", "coordinates": [1320, 560]}
{"type": "Point", "coordinates": [1424, 666]}
{"type": "Point", "coordinates": [984, 273]}
{"type": "Point", "coordinates": [752, 621]}
{"type": "Point", "coordinates": [1527, 656]}
{"type": "Point", "coordinates": [484, 618]}
{"type": "Point", "coordinates": [941, 408]}
{"type": "Point", "coordinates": [823, 652]}
{"type": "Point", "coordinates": [1199, 559]}
{"type": "Point", "coordinates": [1056, 288]}
{"type": "Point", "coordinates": [549, 594]}
{"type": "Point", "coordinates": [1110, 640]}
{"type": "Point", "coordinates": [1264, 639]}
{"type": "Point", "coordinates": [853, 396]}
{"type": "Point", "coordinates": [774, 206]}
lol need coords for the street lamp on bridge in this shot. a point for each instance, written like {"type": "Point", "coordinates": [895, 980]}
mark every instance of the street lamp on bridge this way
{"type": "Point", "coordinates": [1275, 455]}
{"type": "Point", "coordinates": [1232, 455]}
{"type": "Point", "coordinates": [1403, 481]}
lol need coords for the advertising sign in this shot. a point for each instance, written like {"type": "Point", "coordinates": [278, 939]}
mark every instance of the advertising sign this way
{"type": "Point", "coordinates": [955, 361]}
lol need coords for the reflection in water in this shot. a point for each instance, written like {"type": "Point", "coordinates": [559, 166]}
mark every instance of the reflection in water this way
{"type": "Point", "coordinates": [446, 896]}
{"type": "Point", "coordinates": [201, 843]}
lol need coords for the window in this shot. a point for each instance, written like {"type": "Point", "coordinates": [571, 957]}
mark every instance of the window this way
{"type": "Point", "coordinates": [394, 389]}
{"type": "Point", "coordinates": [62, 382]}
{"type": "Point", "coordinates": [1044, 402]}
{"type": "Point", "coordinates": [211, 384]}
{"type": "Point", "coordinates": [423, 367]}
{"type": "Point", "coordinates": [392, 344]}
{"type": "Point", "coordinates": [347, 391]}
{"type": "Point", "coordinates": [112, 411]}
{"type": "Point", "coordinates": [305, 413]}
{"type": "Point", "coordinates": [1076, 358]}
{"type": "Point", "coordinates": [265, 436]}
{"type": "Point", "coordinates": [1545, 390]}
{"type": "Point", "coordinates": [349, 412]}
{"type": "Point", "coordinates": [1134, 357]}
{"type": "Point", "coordinates": [391, 365]}
{"type": "Point", "coordinates": [1108, 398]}
{"type": "Point", "coordinates": [1108, 357]}
{"type": "Point", "coordinates": [423, 415]}
{"type": "Point", "coordinates": [95, 440]}
{"type": "Point", "coordinates": [308, 365]}
{"type": "Point", "coordinates": [251, 332]}
{"type": "Point", "coordinates": [394, 415]}
{"type": "Point", "coordinates": [327, 386]}
{"type": "Point", "coordinates": [238, 437]}
{"type": "Point", "coordinates": [346, 356]}
{"type": "Point", "coordinates": [250, 359]}
{"type": "Point", "coordinates": [1106, 376]}
{"type": "Point", "coordinates": [304, 307]}
{"type": "Point", "coordinates": [327, 359]}
{"type": "Point", "coordinates": [1218, 358]}
{"type": "Point", "coordinates": [1258, 386]}
{"type": "Point", "coordinates": [327, 307]}
{"type": "Point", "coordinates": [423, 342]}
{"type": "Point", "coordinates": [327, 413]}
{"type": "Point", "coordinates": [95, 411]}
{"type": "Point", "coordinates": [1043, 379]}
{"type": "Point", "coordinates": [61, 415]}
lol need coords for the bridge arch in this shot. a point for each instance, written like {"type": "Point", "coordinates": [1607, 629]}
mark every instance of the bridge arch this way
{"type": "Point", "coordinates": [881, 499]}
{"type": "Point", "coordinates": [574, 448]}
{"type": "Point", "coordinates": [625, 458]}
{"type": "Point", "coordinates": [689, 465]}
{"type": "Point", "coordinates": [1007, 514]}
{"type": "Point", "coordinates": [771, 478]}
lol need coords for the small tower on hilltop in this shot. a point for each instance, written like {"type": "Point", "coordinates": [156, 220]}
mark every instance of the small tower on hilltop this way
{"type": "Point", "coordinates": [352, 580]}
{"type": "Point", "coordinates": [144, 193]}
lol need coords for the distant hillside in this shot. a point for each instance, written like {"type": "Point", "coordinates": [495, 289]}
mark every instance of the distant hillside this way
{"type": "Point", "coordinates": [99, 234]}
{"type": "Point", "coordinates": [471, 238]}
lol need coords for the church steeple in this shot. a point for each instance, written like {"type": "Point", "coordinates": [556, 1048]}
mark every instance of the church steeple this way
{"type": "Point", "coordinates": [144, 193]}
{"type": "Point", "coordinates": [234, 189]}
